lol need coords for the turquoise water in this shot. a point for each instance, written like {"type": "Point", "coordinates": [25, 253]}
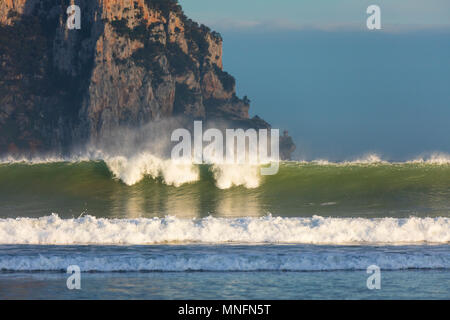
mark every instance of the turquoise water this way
{"type": "Point", "coordinates": [298, 189]}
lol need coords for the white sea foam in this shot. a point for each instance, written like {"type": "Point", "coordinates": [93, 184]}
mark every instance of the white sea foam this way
{"type": "Point", "coordinates": [228, 175]}
{"type": "Point", "coordinates": [134, 169]}
{"type": "Point", "coordinates": [315, 230]}
{"type": "Point", "coordinates": [41, 160]}
{"type": "Point", "coordinates": [216, 260]}
{"type": "Point", "coordinates": [437, 158]}
{"type": "Point", "coordinates": [371, 158]}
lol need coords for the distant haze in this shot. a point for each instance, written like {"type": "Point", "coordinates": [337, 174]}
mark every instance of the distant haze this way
{"type": "Point", "coordinates": [346, 91]}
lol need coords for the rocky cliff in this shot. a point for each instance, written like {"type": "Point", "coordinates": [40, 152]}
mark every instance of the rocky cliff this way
{"type": "Point", "coordinates": [131, 62]}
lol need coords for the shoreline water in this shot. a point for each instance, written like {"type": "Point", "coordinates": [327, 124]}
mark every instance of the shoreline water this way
{"type": "Point", "coordinates": [224, 272]}
{"type": "Point", "coordinates": [406, 284]}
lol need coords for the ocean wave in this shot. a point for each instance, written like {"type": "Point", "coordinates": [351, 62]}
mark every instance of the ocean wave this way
{"type": "Point", "coordinates": [434, 158]}
{"type": "Point", "coordinates": [371, 158]}
{"type": "Point", "coordinates": [437, 158]}
{"type": "Point", "coordinates": [132, 169]}
{"type": "Point", "coordinates": [215, 260]}
{"type": "Point", "coordinates": [52, 230]}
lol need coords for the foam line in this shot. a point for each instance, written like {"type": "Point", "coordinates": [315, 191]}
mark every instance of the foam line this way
{"type": "Point", "coordinates": [316, 230]}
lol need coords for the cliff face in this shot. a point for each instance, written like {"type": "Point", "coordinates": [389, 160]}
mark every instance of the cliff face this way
{"type": "Point", "coordinates": [131, 62]}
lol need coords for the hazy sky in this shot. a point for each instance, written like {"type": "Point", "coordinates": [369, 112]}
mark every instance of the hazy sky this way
{"type": "Point", "coordinates": [341, 90]}
{"type": "Point", "coordinates": [296, 14]}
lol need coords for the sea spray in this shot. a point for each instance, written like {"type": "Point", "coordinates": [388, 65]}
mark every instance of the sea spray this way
{"type": "Point", "coordinates": [133, 170]}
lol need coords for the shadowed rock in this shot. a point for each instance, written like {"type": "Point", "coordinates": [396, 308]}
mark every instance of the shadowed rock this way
{"type": "Point", "coordinates": [132, 62]}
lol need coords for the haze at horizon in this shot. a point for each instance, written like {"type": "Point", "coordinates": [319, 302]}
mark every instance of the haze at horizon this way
{"type": "Point", "coordinates": [344, 92]}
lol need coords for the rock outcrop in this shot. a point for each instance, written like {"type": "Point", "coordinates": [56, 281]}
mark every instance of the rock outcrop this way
{"type": "Point", "coordinates": [132, 62]}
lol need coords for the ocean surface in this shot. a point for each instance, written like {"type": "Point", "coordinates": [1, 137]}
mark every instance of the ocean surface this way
{"type": "Point", "coordinates": [145, 228]}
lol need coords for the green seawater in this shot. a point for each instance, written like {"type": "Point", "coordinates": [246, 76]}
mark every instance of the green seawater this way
{"type": "Point", "coordinates": [298, 189]}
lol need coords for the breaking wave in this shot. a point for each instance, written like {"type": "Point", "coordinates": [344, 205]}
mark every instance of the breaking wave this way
{"type": "Point", "coordinates": [133, 169]}
{"type": "Point", "coordinates": [52, 230]}
{"type": "Point", "coordinates": [190, 258]}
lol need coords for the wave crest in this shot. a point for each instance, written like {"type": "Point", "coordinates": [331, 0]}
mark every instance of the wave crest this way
{"type": "Point", "coordinates": [315, 230]}
{"type": "Point", "coordinates": [437, 158]}
{"type": "Point", "coordinates": [132, 170]}
{"type": "Point", "coordinates": [250, 258]}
